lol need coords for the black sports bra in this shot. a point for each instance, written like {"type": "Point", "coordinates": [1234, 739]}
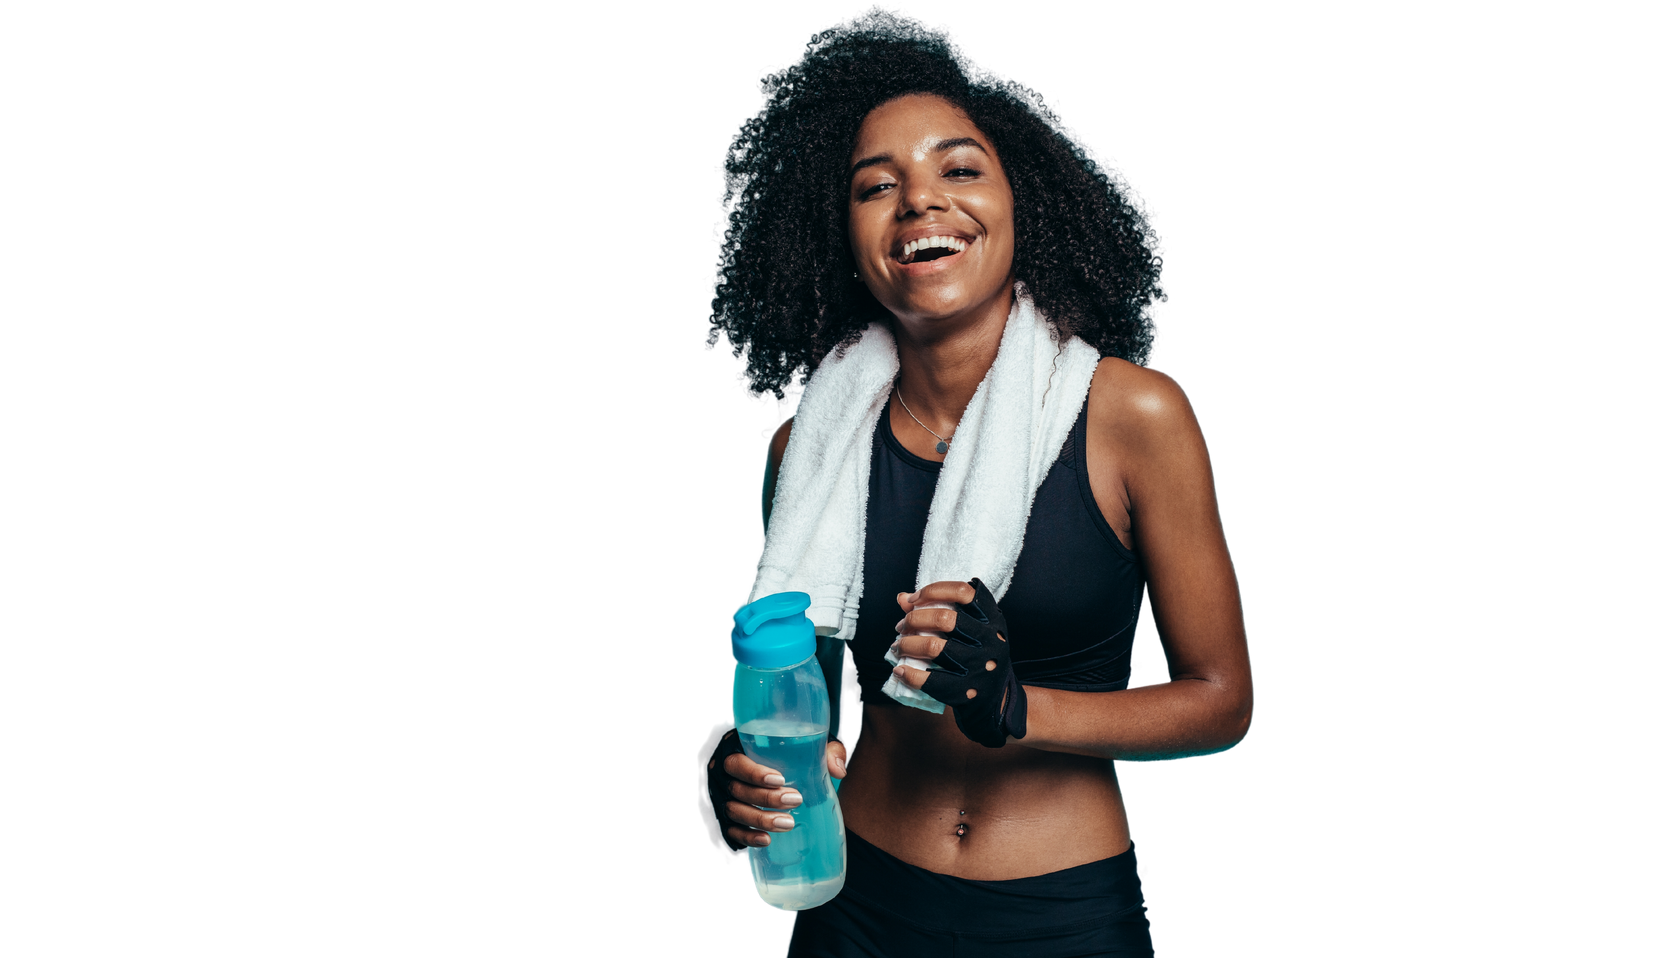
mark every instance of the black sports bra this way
{"type": "Point", "coordinates": [1072, 605]}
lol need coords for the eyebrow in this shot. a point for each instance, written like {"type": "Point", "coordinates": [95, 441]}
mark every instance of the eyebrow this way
{"type": "Point", "coordinates": [939, 147]}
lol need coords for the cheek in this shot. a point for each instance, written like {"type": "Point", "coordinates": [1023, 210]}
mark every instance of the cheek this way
{"type": "Point", "coordinates": [1000, 229]}
{"type": "Point", "coordinates": [868, 238]}
{"type": "Point", "coordinates": [997, 215]}
{"type": "Point", "coordinates": [1003, 211]}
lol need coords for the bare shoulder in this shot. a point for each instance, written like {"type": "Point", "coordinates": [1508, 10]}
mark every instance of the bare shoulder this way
{"type": "Point", "coordinates": [773, 460]}
{"type": "Point", "coordinates": [780, 443]}
{"type": "Point", "coordinates": [1137, 407]}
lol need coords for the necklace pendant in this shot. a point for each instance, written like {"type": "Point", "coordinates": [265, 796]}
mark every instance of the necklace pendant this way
{"type": "Point", "coordinates": [942, 447]}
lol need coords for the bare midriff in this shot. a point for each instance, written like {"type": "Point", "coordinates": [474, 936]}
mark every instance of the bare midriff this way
{"type": "Point", "coordinates": [919, 790]}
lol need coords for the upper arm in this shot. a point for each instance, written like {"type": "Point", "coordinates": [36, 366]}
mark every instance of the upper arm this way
{"type": "Point", "coordinates": [773, 460]}
{"type": "Point", "coordinates": [831, 651]}
{"type": "Point", "coordinates": [829, 648]}
{"type": "Point", "coordinates": [1164, 475]}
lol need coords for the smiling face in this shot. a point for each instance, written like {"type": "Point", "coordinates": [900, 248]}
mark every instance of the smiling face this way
{"type": "Point", "coordinates": [930, 215]}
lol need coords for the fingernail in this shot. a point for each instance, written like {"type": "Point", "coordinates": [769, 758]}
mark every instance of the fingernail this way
{"type": "Point", "coordinates": [782, 821]}
{"type": "Point", "coordinates": [759, 841]}
{"type": "Point", "coordinates": [898, 670]}
{"type": "Point", "coordinates": [841, 764]}
{"type": "Point", "coordinates": [774, 780]}
{"type": "Point", "coordinates": [791, 798]}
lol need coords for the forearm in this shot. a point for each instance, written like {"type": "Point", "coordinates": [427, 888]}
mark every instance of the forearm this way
{"type": "Point", "coordinates": [1191, 716]}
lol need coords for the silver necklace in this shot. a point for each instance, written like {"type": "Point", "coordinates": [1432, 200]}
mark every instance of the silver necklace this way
{"type": "Point", "coordinates": [944, 443]}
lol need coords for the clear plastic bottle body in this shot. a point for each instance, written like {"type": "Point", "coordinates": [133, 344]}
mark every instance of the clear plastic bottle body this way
{"type": "Point", "coordinates": [782, 716]}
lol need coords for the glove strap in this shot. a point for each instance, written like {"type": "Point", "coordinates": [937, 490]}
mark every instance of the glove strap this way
{"type": "Point", "coordinates": [993, 726]}
{"type": "Point", "coordinates": [1013, 718]}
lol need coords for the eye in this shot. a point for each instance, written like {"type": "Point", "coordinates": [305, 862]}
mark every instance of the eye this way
{"type": "Point", "coordinates": [873, 190]}
{"type": "Point", "coordinates": [962, 173]}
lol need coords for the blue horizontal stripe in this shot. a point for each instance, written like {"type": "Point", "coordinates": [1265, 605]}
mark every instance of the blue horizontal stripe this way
{"type": "Point", "coordinates": [369, 620]}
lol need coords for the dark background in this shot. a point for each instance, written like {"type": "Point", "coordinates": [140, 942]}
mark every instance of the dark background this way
{"type": "Point", "coordinates": [346, 398]}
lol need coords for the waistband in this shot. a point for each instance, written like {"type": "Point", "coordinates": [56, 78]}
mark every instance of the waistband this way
{"type": "Point", "coordinates": [1083, 894]}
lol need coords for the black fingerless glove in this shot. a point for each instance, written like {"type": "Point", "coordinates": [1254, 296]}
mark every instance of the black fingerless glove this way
{"type": "Point", "coordinates": [974, 676]}
{"type": "Point", "coordinates": [719, 786]}
{"type": "Point", "coordinates": [718, 780]}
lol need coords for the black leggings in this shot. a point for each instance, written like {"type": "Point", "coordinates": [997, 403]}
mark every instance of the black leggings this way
{"type": "Point", "coordinates": [891, 908]}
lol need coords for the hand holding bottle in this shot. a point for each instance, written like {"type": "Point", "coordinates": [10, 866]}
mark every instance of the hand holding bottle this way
{"type": "Point", "coordinates": [746, 795]}
{"type": "Point", "coordinates": [782, 715]}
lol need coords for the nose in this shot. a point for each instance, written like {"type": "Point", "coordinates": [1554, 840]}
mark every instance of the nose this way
{"type": "Point", "coordinates": [920, 195]}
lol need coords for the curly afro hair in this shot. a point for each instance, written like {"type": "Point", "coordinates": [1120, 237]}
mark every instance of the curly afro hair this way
{"type": "Point", "coordinates": [787, 292]}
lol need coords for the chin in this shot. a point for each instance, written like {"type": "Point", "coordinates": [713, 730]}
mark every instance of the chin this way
{"type": "Point", "coordinates": [928, 306]}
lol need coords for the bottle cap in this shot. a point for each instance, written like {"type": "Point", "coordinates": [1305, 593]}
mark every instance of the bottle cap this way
{"type": "Point", "coordinates": [773, 632]}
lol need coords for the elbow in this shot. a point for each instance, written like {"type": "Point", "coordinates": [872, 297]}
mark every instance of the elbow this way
{"type": "Point", "coordinates": [1242, 724]}
{"type": "Point", "coordinates": [1220, 703]}
{"type": "Point", "coordinates": [1238, 721]}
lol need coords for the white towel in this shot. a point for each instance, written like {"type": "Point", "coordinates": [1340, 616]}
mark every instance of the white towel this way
{"type": "Point", "coordinates": [1010, 434]}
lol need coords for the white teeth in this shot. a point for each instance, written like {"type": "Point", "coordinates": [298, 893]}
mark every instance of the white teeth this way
{"type": "Point", "coordinates": [930, 242]}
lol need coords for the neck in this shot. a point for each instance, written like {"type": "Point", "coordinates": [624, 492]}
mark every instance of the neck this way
{"type": "Point", "coordinates": [942, 362]}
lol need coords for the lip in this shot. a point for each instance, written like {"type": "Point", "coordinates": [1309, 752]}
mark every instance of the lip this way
{"type": "Point", "coordinates": [914, 269]}
{"type": "Point", "coordinates": [933, 265]}
{"type": "Point", "coordinates": [923, 232]}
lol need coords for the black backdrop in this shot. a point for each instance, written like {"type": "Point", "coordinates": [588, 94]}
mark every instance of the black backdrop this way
{"type": "Point", "coordinates": [468, 398]}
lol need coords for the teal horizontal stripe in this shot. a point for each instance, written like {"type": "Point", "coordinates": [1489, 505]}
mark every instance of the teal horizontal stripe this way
{"type": "Point", "coordinates": [369, 620]}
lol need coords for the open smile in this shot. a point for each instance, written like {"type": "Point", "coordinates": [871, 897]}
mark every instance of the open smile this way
{"type": "Point", "coordinates": [928, 249]}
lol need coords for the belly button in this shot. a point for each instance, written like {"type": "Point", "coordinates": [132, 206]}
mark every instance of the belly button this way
{"type": "Point", "coordinates": [962, 829]}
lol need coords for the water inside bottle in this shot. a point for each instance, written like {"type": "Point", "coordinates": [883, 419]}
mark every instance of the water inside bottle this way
{"type": "Point", "coordinates": [805, 866]}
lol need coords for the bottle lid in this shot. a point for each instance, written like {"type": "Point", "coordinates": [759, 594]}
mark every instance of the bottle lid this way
{"type": "Point", "coordinates": [773, 632]}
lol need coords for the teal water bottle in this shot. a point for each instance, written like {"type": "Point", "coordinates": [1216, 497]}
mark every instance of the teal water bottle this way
{"type": "Point", "coordinates": [782, 716]}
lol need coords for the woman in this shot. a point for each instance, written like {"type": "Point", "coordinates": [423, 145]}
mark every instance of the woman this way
{"type": "Point", "coordinates": [881, 184]}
